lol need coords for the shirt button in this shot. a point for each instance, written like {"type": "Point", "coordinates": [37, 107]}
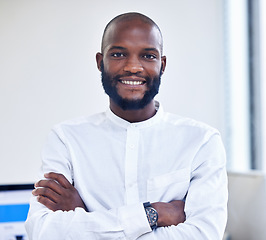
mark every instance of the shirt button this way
{"type": "Point", "coordinates": [132, 146]}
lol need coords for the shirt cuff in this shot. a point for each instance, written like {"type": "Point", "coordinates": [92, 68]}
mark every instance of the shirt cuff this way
{"type": "Point", "coordinates": [134, 220]}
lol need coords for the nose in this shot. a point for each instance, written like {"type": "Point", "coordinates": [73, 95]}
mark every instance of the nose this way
{"type": "Point", "coordinates": [133, 65]}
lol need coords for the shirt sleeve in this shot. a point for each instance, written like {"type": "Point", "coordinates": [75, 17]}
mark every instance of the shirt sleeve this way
{"type": "Point", "coordinates": [125, 222]}
{"type": "Point", "coordinates": [206, 200]}
{"type": "Point", "coordinates": [128, 222]}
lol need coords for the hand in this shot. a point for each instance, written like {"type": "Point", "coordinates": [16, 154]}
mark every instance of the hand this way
{"type": "Point", "coordinates": [57, 193]}
{"type": "Point", "coordinates": [170, 213]}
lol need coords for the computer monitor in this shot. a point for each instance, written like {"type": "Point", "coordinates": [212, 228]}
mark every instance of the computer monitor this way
{"type": "Point", "coordinates": [14, 206]}
{"type": "Point", "coordinates": [247, 206]}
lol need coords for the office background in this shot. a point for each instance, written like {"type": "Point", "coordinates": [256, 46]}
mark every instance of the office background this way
{"type": "Point", "coordinates": [215, 56]}
{"type": "Point", "coordinates": [48, 70]}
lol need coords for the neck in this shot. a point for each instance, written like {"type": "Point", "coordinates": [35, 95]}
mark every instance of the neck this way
{"type": "Point", "coordinates": [134, 115]}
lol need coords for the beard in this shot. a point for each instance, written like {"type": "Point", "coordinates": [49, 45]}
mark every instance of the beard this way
{"type": "Point", "coordinates": [109, 85]}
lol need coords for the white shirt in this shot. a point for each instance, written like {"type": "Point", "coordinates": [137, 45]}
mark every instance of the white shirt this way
{"type": "Point", "coordinates": [117, 165]}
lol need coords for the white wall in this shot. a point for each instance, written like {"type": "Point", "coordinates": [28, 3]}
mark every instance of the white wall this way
{"type": "Point", "coordinates": [48, 71]}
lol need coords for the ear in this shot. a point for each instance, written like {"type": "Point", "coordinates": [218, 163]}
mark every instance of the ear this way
{"type": "Point", "coordinates": [99, 59]}
{"type": "Point", "coordinates": [163, 61]}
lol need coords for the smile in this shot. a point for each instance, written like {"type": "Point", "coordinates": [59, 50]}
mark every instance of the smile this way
{"type": "Point", "coordinates": [133, 83]}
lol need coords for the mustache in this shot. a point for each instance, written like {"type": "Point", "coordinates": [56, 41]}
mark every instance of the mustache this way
{"type": "Point", "coordinates": [127, 74]}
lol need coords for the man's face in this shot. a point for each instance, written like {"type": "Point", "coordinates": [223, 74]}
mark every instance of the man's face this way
{"type": "Point", "coordinates": [110, 87]}
{"type": "Point", "coordinates": [131, 64]}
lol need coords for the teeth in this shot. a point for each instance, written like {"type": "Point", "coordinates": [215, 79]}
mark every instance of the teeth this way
{"type": "Point", "coordinates": [132, 82]}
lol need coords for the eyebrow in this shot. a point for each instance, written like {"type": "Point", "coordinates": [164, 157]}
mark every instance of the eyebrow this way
{"type": "Point", "coordinates": [151, 49]}
{"type": "Point", "coordinates": [123, 48]}
{"type": "Point", "coordinates": [117, 47]}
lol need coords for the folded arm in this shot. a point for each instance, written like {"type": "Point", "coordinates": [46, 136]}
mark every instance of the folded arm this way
{"type": "Point", "coordinates": [57, 193]}
{"type": "Point", "coordinates": [205, 205]}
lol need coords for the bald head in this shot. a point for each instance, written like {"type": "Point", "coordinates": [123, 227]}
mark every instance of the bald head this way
{"type": "Point", "coordinates": [130, 17]}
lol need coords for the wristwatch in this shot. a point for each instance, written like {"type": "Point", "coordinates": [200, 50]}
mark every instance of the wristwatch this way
{"type": "Point", "coordinates": [151, 214]}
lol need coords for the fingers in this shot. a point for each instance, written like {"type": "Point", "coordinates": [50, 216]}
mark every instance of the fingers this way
{"type": "Point", "coordinates": [46, 192]}
{"type": "Point", "coordinates": [47, 202]}
{"type": "Point", "coordinates": [57, 193]}
{"type": "Point", "coordinates": [53, 186]}
{"type": "Point", "coordinates": [60, 178]}
{"type": "Point", "coordinates": [49, 184]}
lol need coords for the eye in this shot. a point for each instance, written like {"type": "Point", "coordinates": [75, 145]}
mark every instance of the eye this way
{"type": "Point", "coordinates": [149, 56]}
{"type": "Point", "coordinates": [117, 54]}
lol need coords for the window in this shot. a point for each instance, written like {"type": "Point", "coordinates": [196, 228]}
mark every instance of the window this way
{"type": "Point", "coordinates": [245, 35]}
{"type": "Point", "coordinates": [237, 85]}
{"type": "Point", "coordinates": [262, 67]}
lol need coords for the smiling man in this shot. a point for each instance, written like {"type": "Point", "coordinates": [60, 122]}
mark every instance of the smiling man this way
{"type": "Point", "coordinates": [134, 171]}
{"type": "Point", "coordinates": [131, 63]}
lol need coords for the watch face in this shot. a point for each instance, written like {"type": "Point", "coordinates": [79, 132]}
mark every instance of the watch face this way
{"type": "Point", "coordinates": [152, 216]}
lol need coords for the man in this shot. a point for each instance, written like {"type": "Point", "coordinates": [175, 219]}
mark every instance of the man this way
{"type": "Point", "coordinates": [133, 172]}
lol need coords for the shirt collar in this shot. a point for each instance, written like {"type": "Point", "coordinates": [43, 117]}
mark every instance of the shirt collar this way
{"type": "Point", "coordinates": [147, 123]}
